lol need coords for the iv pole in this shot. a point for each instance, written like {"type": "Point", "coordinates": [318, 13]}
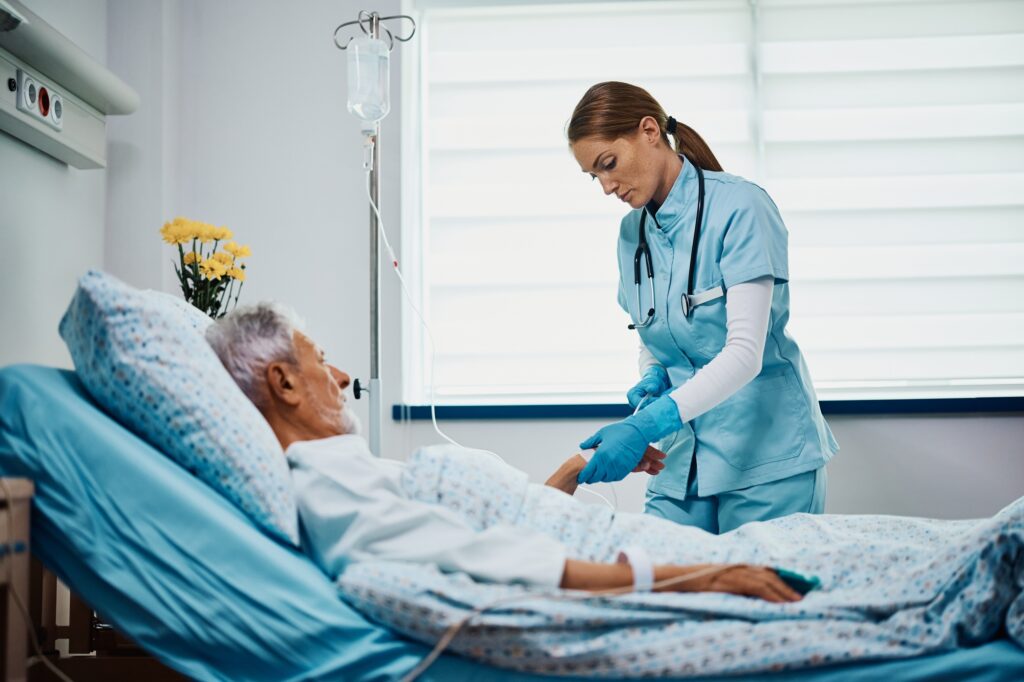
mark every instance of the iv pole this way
{"type": "Point", "coordinates": [370, 23]}
{"type": "Point", "coordinates": [375, 392]}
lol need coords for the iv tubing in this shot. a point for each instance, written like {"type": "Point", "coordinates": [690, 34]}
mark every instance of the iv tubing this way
{"type": "Point", "coordinates": [456, 627]}
{"type": "Point", "coordinates": [433, 348]}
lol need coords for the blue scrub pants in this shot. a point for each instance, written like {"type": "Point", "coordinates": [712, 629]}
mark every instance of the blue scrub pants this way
{"type": "Point", "coordinates": [729, 510]}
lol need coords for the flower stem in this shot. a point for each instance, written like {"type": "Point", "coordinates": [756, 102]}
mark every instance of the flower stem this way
{"type": "Point", "coordinates": [226, 300]}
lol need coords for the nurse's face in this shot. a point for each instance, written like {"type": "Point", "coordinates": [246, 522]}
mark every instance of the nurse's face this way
{"type": "Point", "coordinates": [631, 167]}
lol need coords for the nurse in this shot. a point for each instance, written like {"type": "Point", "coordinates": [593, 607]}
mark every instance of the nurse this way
{"type": "Point", "coordinates": [703, 273]}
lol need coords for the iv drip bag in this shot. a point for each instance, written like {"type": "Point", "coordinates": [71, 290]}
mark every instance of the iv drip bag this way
{"type": "Point", "coordinates": [369, 82]}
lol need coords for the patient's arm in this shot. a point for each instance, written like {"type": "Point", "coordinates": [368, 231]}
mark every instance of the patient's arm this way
{"type": "Point", "coordinates": [741, 579]}
{"type": "Point", "coordinates": [564, 477]}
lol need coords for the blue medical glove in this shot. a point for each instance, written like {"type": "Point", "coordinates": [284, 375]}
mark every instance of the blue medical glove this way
{"type": "Point", "coordinates": [621, 445]}
{"type": "Point", "coordinates": [654, 382]}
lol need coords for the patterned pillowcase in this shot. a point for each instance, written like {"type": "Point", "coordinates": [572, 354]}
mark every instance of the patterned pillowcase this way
{"type": "Point", "coordinates": [197, 318]}
{"type": "Point", "coordinates": [143, 358]}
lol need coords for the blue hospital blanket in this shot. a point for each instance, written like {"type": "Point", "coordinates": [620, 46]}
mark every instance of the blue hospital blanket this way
{"type": "Point", "coordinates": [892, 587]}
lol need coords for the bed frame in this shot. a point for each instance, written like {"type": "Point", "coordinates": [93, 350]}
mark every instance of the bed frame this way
{"type": "Point", "coordinates": [96, 652]}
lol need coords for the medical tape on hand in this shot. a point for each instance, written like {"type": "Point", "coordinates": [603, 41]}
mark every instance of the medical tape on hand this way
{"type": "Point", "coordinates": [640, 562]}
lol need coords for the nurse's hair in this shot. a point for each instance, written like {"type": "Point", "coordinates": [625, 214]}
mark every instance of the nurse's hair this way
{"type": "Point", "coordinates": [250, 338]}
{"type": "Point", "coordinates": [612, 109]}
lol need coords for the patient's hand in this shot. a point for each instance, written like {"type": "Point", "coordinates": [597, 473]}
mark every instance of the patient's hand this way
{"type": "Point", "coordinates": [652, 461]}
{"type": "Point", "coordinates": [745, 580]}
{"type": "Point", "coordinates": [759, 582]}
{"type": "Point", "coordinates": [752, 581]}
{"type": "Point", "coordinates": [565, 477]}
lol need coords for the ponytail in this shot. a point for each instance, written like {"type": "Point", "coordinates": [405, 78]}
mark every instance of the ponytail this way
{"type": "Point", "coordinates": [691, 145]}
{"type": "Point", "coordinates": [612, 109]}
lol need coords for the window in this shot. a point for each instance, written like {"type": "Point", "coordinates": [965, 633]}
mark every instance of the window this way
{"type": "Point", "coordinates": [890, 134]}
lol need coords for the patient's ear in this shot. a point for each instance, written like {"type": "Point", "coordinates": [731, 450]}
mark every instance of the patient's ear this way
{"type": "Point", "coordinates": [282, 383]}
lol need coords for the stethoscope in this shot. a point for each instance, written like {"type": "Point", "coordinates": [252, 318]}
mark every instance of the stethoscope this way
{"type": "Point", "coordinates": [643, 251]}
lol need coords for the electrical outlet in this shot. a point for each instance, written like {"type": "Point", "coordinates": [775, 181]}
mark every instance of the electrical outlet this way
{"type": "Point", "coordinates": [40, 100]}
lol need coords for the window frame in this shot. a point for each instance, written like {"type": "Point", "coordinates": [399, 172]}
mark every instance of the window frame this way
{"type": "Point", "coordinates": [417, 346]}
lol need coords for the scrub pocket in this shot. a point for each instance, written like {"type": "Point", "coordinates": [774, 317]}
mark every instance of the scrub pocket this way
{"type": "Point", "coordinates": [709, 326]}
{"type": "Point", "coordinates": [678, 448]}
{"type": "Point", "coordinates": [763, 422]}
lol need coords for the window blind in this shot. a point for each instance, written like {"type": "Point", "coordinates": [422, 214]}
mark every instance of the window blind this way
{"type": "Point", "coordinates": [890, 134]}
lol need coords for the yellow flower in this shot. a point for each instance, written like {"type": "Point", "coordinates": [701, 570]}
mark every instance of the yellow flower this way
{"type": "Point", "coordinates": [204, 232]}
{"type": "Point", "coordinates": [190, 258]}
{"type": "Point", "coordinates": [222, 233]}
{"type": "Point", "coordinates": [186, 227]}
{"type": "Point", "coordinates": [225, 258]}
{"type": "Point", "coordinates": [237, 273]}
{"type": "Point", "coordinates": [179, 231]}
{"type": "Point", "coordinates": [212, 269]}
{"type": "Point", "coordinates": [173, 234]}
{"type": "Point", "coordinates": [237, 251]}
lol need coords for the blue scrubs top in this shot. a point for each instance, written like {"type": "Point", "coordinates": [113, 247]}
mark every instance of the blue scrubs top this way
{"type": "Point", "coordinates": [770, 429]}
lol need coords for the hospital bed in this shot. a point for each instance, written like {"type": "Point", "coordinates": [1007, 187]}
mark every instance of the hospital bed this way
{"type": "Point", "coordinates": [182, 573]}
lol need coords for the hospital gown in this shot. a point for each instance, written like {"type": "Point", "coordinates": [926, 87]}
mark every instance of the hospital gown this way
{"type": "Point", "coordinates": [352, 509]}
{"type": "Point", "coordinates": [892, 587]}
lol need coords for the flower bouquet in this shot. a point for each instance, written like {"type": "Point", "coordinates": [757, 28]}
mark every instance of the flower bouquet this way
{"type": "Point", "coordinates": [211, 280]}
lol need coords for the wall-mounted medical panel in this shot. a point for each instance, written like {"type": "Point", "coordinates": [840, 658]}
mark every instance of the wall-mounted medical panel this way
{"type": "Point", "coordinates": [36, 98]}
{"type": "Point", "coordinates": [53, 95]}
{"type": "Point", "coordinates": [53, 120]}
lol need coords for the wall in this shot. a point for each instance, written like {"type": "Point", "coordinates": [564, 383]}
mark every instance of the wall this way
{"type": "Point", "coordinates": [51, 216]}
{"type": "Point", "coordinates": [243, 123]}
{"type": "Point", "coordinates": [142, 149]}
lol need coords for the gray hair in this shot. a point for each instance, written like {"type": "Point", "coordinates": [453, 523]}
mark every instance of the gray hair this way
{"type": "Point", "coordinates": [249, 339]}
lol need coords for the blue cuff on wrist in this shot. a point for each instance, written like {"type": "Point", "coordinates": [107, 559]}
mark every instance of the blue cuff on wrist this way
{"type": "Point", "coordinates": [658, 419]}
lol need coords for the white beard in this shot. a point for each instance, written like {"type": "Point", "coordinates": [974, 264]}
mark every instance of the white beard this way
{"type": "Point", "coordinates": [351, 423]}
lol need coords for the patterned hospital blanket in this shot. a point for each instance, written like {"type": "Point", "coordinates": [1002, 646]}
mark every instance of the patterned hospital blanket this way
{"type": "Point", "coordinates": [891, 586]}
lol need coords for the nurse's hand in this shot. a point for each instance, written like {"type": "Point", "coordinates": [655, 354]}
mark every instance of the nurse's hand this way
{"type": "Point", "coordinates": [565, 477]}
{"type": "Point", "coordinates": [653, 384]}
{"type": "Point", "coordinates": [621, 445]}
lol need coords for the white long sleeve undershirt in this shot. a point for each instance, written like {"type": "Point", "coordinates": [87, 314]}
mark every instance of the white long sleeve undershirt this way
{"type": "Point", "coordinates": [747, 310]}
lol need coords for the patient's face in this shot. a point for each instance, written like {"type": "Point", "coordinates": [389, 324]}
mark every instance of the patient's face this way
{"type": "Point", "coordinates": [323, 407]}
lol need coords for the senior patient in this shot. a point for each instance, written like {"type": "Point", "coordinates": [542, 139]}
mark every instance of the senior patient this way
{"type": "Point", "coordinates": [351, 503]}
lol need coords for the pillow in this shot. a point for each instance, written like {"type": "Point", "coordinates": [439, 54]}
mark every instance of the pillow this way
{"type": "Point", "coordinates": [196, 317]}
{"type": "Point", "coordinates": [143, 358]}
